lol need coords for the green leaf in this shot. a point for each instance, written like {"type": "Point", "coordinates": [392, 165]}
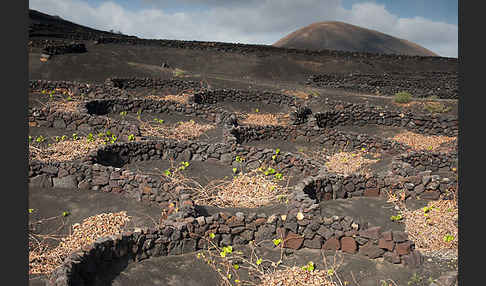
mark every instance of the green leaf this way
{"type": "Point", "coordinates": [448, 238]}
{"type": "Point", "coordinates": [259, 261]}
{"type": "Point", "coordinates": [228, 249]}
{"type": "Point", "coordinates": [236, 266]}
{"type": "Point", "coordinates": [310, 266]}
{"type": "Point", "coordinates": [65, 213]}
{"type": "Point", "coordinates": [212, 235]}
{"type": "Point", "coordinates": [276, 242]}
{"type": "Point", "coordinates": [31, 211]}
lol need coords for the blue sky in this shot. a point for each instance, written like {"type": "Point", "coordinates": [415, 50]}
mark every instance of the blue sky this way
{"type": "Point", "coordinates": [430, 23]}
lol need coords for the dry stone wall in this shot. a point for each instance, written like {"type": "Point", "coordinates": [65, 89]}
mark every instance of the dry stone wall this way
{"type": "Point", "coordinates": [235, 95]}
{"type": "Point", "coordinates": [80, 121]}
{"type": "Point", "coordinates": [424, 185]}
{"type": "Point", "coordinates": [60, 49]}
{"type": "Point", "coordinates": [103, 169]}
{"type": "Point", "coordinates": [419, 84]}
{"type": "Point", "coordinates": [268, 50]}
{"type": "Point", "coordinates": [425, 124]}
{"type": "Point", "coordinates": [297, 228]}
{"type": "Point", "coordinates": [326, 137]}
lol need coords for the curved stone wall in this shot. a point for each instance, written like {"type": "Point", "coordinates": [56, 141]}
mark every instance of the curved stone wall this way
{"type": "Point", "coordinates": [419, 84]}
{"type": "Point", "coordinates": [425, 124]}
{"type": "Point", "coordinates": [297, 229]}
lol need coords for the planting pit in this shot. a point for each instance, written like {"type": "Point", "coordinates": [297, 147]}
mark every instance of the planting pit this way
{"type": "Point", "coordinates": [201, 171]}
{"type": "Point", "coordinates": [47, 224]}
{"type": "Point", "coordinates": [50, 133]}
{"type": "Point", "coordinates": [248, 190]}
{"type": "Point", "coordinates": [66, 150]}
{"type": "Point", "coordinates": [379, 131]}
{"type": "Point", "coordinates": [168, 125]}
{"type": "Point", "coordinates": [421, 142]}
{"type": "Point", "coordinates": [189, 270]}
{"type": "Point", "coordinates": [251, 107]}
{"type": "Point", "coordinates": [99, 107]}
{"type": "Point", "coordinates": [264, 119]}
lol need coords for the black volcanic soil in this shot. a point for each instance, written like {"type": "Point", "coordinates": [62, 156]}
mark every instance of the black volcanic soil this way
{"type": "Point", "coordinates": [50, 202]}
{"type": "Point", "coordinates": [201, 171]}
{"type": "Point", "coordinates": [188, 270]}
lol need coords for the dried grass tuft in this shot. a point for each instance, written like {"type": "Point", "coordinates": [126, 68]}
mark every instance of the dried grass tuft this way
{"type": "Point", "coordinates": [180, 98]}
{"type": "Point", "coordinates": [181, 131]}
{"type": "Point", "coordinates": [296, 276]}
{"type": "Point", "coordinates": [250, 190]}
{"type": "Point", "coordinates": [422, 142]}
{"type": "Point", "coordinates": [64, 150]}
{"type": "Point", "coordinates": [65, 106]}
{"type": "Point", "coordinates": [429, 229]}
{"type": "Point", "coordinates": [43, 260]}
{"type": "Point", "coordinates": [263, 119]}
{"type": "Point", "coordinates": [347, 163]}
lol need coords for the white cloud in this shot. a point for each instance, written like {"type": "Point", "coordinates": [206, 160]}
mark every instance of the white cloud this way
{"type": "Point", "coordinates": [257, 22]}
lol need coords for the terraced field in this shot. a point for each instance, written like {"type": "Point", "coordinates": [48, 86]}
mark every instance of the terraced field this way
{"type": "Point", "coordinates": [161, 162]}
{"type": "Point", "coordinates": [197, 171]}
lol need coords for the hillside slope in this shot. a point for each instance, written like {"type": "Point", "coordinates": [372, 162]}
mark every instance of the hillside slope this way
{"type": "Point", "coordinates": [346, 37]}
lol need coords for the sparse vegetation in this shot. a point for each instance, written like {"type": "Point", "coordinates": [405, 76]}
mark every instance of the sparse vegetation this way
{"type": "Point", "coordinates": [402, 97]}
{"type": "Point", "coordinates": [179, 73]}
{"type": "Point", "coordinates": [181, 131]}
{"type": "Point", "coordinates": [228, 263]}
{"type": "Point", "coordinates": [437, 107]}
{"type": "Point", "coordinates": [44, 259]}
{"type": "Point", "coordinates": [67, 150]}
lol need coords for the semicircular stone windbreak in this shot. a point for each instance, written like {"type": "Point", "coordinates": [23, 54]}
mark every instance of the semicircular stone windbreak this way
{"type": "Point", "coordinates": [244, 96]}
{"type": "Point", "coordinates": [105, 169]}
{"type": "Point", "coordinates": [144, 105]}
{"type": "Point", "coordinates": [55, 115]}
{"type": "Point", "coordinates": [329, 138]}
{"type": "Point", "coordinates": [443, 84]}
{"type": "Point", "coordinates": [424, 124]}
{"type": "Point", "coordinates": [47, 85]}
{"type": "Point", "coordinates": [420, 185]}
{"type": "Point", "coordinates": [187, 233]}
{"type": "Point", "coordinates": [112, 87]}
